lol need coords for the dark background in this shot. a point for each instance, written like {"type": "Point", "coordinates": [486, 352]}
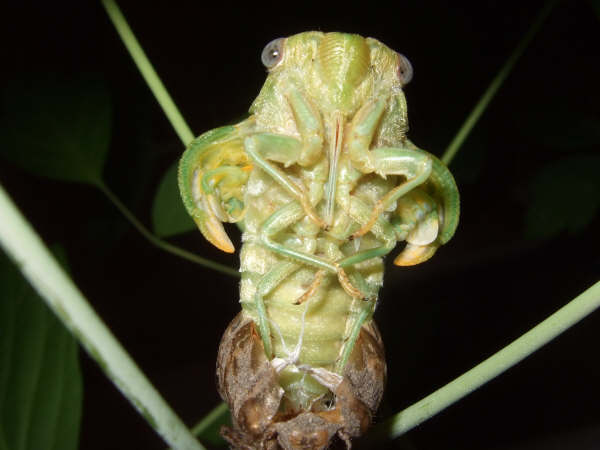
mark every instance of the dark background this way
{"type": "Point", "coordinates": [496, 279]}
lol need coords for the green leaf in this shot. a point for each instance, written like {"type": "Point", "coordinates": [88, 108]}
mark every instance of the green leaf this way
{"type": "Point", "coordinates": [57, 129]}
{"type": "Point", "coordinates": [169, 217]}
{"type": "Point", "coordinates": [565, 196]}
{"type": "Point", "coordinates": [40, 378]}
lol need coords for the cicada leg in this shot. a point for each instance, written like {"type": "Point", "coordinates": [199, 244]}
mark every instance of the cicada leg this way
{"type": "Point", "coordinates": [266, 284]}
{"type": "Point", "coordinates": [312, 288]}
{"type": "Point", "coordinates": [285, 217]}
{"type": "Point", "coordinates": [414, 166]}
{"type": "Point", "coordinates": [360, 212]}
{"type": "Point", "coordinates": [310, 127]}
{"type": "Point", "coordinates": [265, 148]}
{"type": "Point", "coordinates": [212, 174]}
{"type": "Point", "coordinates": [417, 167]}
{"type": "Point", "coordinates": [429, 213]}
{"type": "Point", "coordinates": [442, 187]}
{"type": "Point", "coordinates": [439, 211]}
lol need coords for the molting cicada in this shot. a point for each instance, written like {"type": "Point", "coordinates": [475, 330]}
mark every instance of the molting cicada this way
{"type": "Point", "coordinates": [324, 183]}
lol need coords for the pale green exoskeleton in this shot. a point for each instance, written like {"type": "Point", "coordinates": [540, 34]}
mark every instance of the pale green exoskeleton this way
{"type": "Point", "coordinates": [325, 183]}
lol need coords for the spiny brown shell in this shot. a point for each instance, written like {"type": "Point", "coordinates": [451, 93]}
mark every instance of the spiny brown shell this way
{"type": "Point", "coordinates": [248, 383]}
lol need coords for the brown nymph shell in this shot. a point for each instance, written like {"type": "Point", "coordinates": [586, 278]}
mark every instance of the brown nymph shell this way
{"type": "Point", "coordinates": [249, 384]}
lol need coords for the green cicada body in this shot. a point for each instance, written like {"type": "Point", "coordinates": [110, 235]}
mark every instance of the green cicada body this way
{"type": "Point", "coordinates": [324, 183]}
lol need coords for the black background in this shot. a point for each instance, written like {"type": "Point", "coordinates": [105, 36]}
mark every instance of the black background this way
{"type": "Point", "coordinates": [482, 290]}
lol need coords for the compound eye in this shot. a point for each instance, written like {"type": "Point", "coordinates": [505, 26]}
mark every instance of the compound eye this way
{"type": "Point", "coordinates": [405, 70]}
{"type": "Point", "coordinates": [272, 53]}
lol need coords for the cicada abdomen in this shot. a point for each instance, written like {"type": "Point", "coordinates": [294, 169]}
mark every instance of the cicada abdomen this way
{"type": "Point", "coordinates": [324, 183]}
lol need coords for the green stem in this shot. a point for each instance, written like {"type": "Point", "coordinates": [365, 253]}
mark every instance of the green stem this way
{"type": "Point", "coordinates": [561, 320]}
{"type": "Point", "coordinates": [489, 94]}
{"type": "Point", "coordinates": [159, 242]}
{"type": "Point", "coordinates": [148, 72]}
{"type": "Point", "coordinates": [37, 264]}
{"type": "Point", "coordinates": [216, 414]}
{"type": "Point", "coordinates": [178, 123]}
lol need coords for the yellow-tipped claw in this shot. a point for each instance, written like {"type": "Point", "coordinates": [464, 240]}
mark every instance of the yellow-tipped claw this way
{"type": "Point", "coordinates": [212, 228]}
{"type": "Point", "coordinates": [212, 174]}
{"type": "Point", "coordinates": [415, 254]}
{"type": "Point", "coordinates": [420, 243]}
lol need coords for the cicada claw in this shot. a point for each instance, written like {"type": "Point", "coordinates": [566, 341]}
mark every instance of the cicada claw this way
{"type": "Point", "coordinates": [415, 254]}
{"type": "Point", "coordinates": [212, 228]}
{"type": "Point", "coordinates": [212, 174]}
{"type": "Point", "coordinates": [416, 220]}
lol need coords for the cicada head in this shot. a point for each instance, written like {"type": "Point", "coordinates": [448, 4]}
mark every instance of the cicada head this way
{"type": "Point", "coordinates": [339, 72]}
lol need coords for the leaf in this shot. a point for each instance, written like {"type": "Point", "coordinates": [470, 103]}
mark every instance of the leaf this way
{"type": "Point", "coordinates": [40, 379]}
{"type": "Point", "coordinates": [565, 196]}
{"type": "Point", "coordinates": [57, 129]}
{"type": "Point", "coordinates": [169, 216]}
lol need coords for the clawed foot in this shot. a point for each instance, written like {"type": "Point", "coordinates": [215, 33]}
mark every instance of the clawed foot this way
{"type": "Point", "coordinates": [350, 289]}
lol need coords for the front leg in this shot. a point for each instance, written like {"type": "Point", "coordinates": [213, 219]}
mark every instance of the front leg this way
{"type": "Point", "coordinates": [414, 166]}
{"type": "Point", "coordinates": [265, 147]}
{"type": "Point", "coordinates": [361, 212]}
{"type": "Point", "coordinates": [212, 175]}
{"type": "Point", "coordinates": [362, 129]}
{"type": "Point", "coordinates": [310, 127]}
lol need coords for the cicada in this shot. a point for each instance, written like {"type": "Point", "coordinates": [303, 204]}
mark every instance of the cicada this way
{"type": "Point", "coordinates": [323, 183]}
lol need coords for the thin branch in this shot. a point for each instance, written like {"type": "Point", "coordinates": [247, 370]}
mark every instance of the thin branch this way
{"type": "Point", "coordinates": [216, 414]}
{"type": "Point", "coordinates": [37, 264]}
{"type": "Point", "coordinates": [489, 94]}
{"type": "Point", "coordinates": [159, 242]}
{"type": "Point", "coordinates": [561, 320]}
{"type": "Point", "coordinates": [148, 72]}
{"type": "Point", "coordinates": [177, 121]}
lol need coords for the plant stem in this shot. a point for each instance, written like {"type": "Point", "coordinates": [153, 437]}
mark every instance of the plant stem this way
{"type": "Point", "coordinates": [490, 92]}
{"type": "Point", "coordinates": [159, 242]}
{"type": "Point", "coordinates": [37, 264]}
{"type": "Point", "coordinates": [177, 121]}
{"type": "Point", "coordinates": [148, 72]}
{"type": "Point", "coordinates": [561, 320]}
{"type": "Point", "coordinates": [215, 415]}
{"type": "Point", "coordinates": [218, 412]}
